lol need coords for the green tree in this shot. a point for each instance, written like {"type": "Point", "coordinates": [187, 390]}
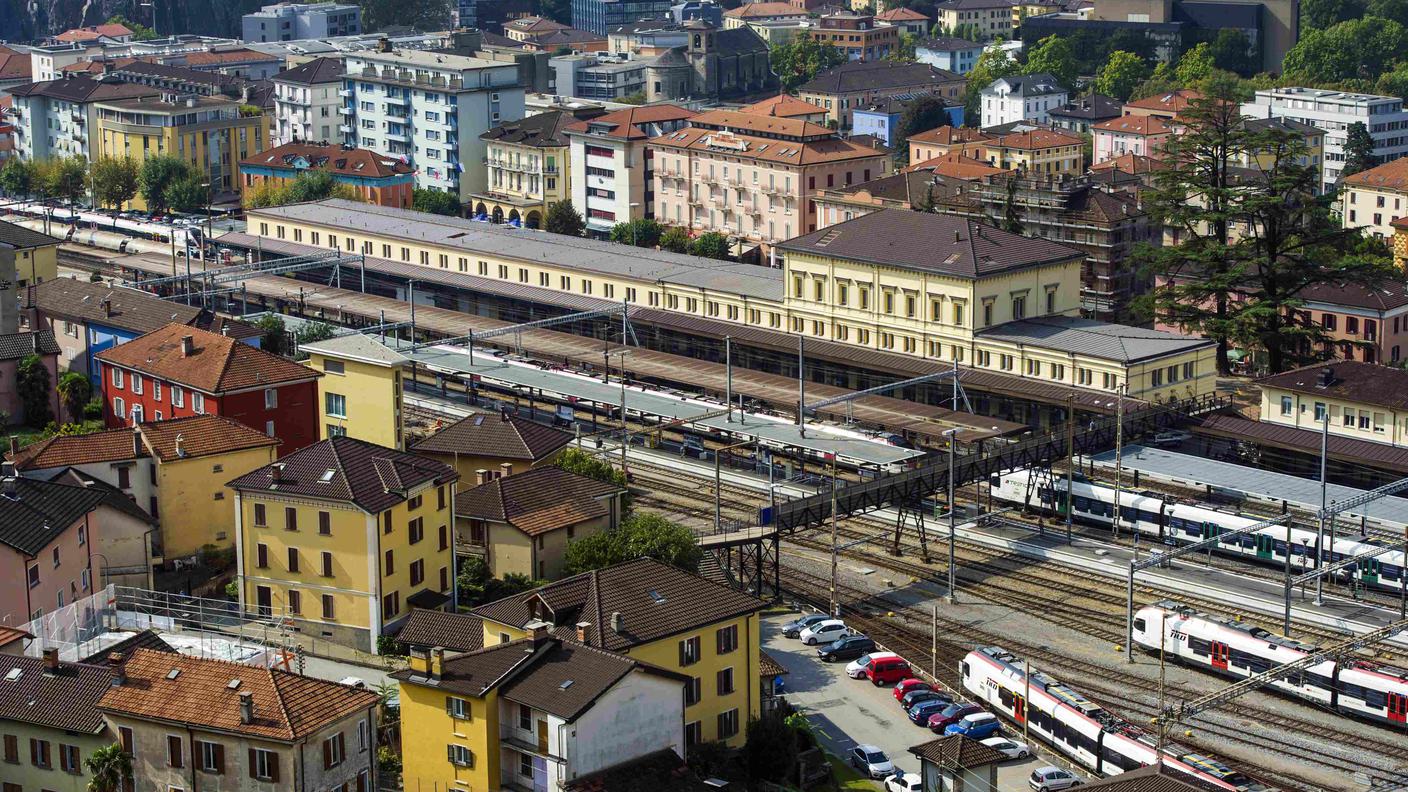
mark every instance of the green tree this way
{"type": "Point", "coordinates": [188, 194]}
{"type": "Point", "coordinates": [771, 750]}
{"type": "Point", "coordinates": [312, 332]}
{"type": "Point", "coordinates": [799, 60]}
{"type": "Point", "coordinates": [575, 460]}
{"type": "Point", "coordinates": [75, 391]}
{"type": "Point", "coordinates": [635, 98]}
{"type": "Point", "coordinates": [1120, 74]}
{"type": "Point", "coordinates": [115, 181]}
{"type": "Point", "coordinates": [159, 175]}
{"type": "Point", "coordinates": [435, 202]}
{"type": "Point", "coordinates": [642, 534]}
{"type": "Point", "coordinates": [1322, 14]}
{"type": "Point", "coordinates": [418, 14]}
{"type": "Point", "coordinates": [905, 51]}
{"type": "Point", "coordinates": [991, 65]}
{"type": "Point", "coordinates": [66, 178]}
{"type": "Point", "coordinates": [273, 336]}
{"type": "Point", "coordinates": [139, 32]}
{"type": "Point", "coordinates": [641, 232]}
{"type": "Point", "coordinates": [675, 239]}
{"type": "Point", "coordinates": [920, 115]}
{"type": "Point", "coordinates": [1356, 49]}
{"type": "Point", "coordinates": [1231, 51]}
{"type": "Point", "coordinates": [1195, 65]}
{"type": "Point", "coordinates": [32, 383]}
{"type": "Point", "coordinates": [477, 585]}
{"type": "Point", "coordinates": [110, 768]}
{"type": "Point", "coordinates": [563, 218]}
{"type": "Point", "coordinates": [556, 10]}
{"type": "Point", "coordinates": [17, 177]}
{"type": "Point", "coordinates": [1053, 55]}
{"type": "Point", "coordinates": [1396, 10]}
{"type": "Point", "coordinates": [1358, 150]}
{"type": "Point", "coordinates": [710, 244]}
{"type": "Point", "coordinates": [1391, 83]}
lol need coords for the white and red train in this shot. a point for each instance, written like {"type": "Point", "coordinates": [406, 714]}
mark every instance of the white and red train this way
{"type": "Point", "coordinates": [1080, 729]}
{"type": "Point", "coordinates": [1353, 687]}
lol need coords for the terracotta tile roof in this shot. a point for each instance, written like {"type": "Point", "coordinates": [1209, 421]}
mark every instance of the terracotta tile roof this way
{"type": "Point", "coordinates": [1034, 139]}
{"type": "Point", "coordinates": [957, 166]}
{"type": "Point", "coordinates": [950, 135]}
{"type": "Point", "coordinates": [534, 24]}
{"type": "Point", "coordinates": [1171, 102]}
{"type": "Point", "coordinates": [1135, 125]}
{"type": "Point", "coordinates": [201, 435]}
{"type": "Point", "coordinates": [766, 149]}
{"type": "Point", "coordinates": [757, 122]}
{"type": "Point", "coordinates": [373, 477]}
{"type": "Point", "coordinates": [110, 445]}
{"type": "Point", "coordinates": [457, 632]}
{"type": "Point", "coordinates": [1134, 164]}
{"type": "Point", "coordinates": [41, 511]}
{"type": "Point", "coordinates": [1380, 297]}
{"type": "Point", "coordinates": [765, 11]}
{"type": "Point", "coordinates": [768, 666]}
{"type": "Point", "coordinates": [1350, 380]}
{"type": "Point", "coordinates": [287, 707]}
{"type": "Point", "coordinates": [217, 57]}
{"type": "Point", "coordinates": [64, 700]}
{"type": "Point", "coordinates": [112, 30]}
{"type": "Point", "coordinates": [14, 65]}
{"type": "Point", "coordinates": [781, 106]}
{"type": "Point", "coordinates": [81, 300]}
{"type": "Point", "coordinates": [537, 501]}
{"type": "Point", "coordinates": [655, 600]}
{"type": "Point", "coordinates": [1388, 176]}
{"type": "Point", "coordinates": [626, 124]}
{"type": "Point", "coordinates": [901, 14]}
{"type": "Point", "coordinates": [217, 364]}
{"type": "Point", "coordinates": [334, 158]}
{"type": "Point", "coordinates": [955, 751]}
{"type": "Point", "coordinates": [10, 634]}
{"type": "Point", "coordinates": [499, 436]}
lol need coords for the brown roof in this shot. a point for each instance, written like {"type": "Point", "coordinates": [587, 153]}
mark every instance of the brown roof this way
{"type": "Point", "coordinates": [13, 65]}
{"type": "Point", "coordinates": [64, 450]}
{"type": "Point", "coordinates": [476, 673]}
{"type": "Point", "coordinates": [373, 477]}
{"type": "Point", "coordinates": [1386, 296]}
{"type": "Point", "coordinates": [781, 106]}
{"type": "Point", "coordinates": [215, 57]}
{"type": "Point", "coordinates": [534, 24]}
{"type": "Point", "coordinates": [957, 166]}
{"type": "Point", "coordinates": [954, 751]}
{"type": "Point", "coordinates": [217, 363]}
{"type": "Point", "coordinates": [764, 10]}
{"type": "Point", "coordinates": [757, 122]}
{"type": "Point", "coordinates": [1152, 778]}
{"type": "Point", "coordinates": [1171, 102]}
{"type": "Point", "coordinates": [144, 639]}
{"type": "Point", "coordinates": [65, 700]}
{"type": "Point", "coordinates": [661, 771]}
{"type": "Point", "coordinates": [901, 14]}
{"type": "Point", "coordinates": [83, 89]}
{"type": "Point", "coordinates": [1364, 452]}
{"type": "Point", "coordinates": [457, 632]}
{"type": "Point", "coordinates": [924, 241]}
{"type": "Point", "coordinates": [655, 600]}
{"type": "Point", "coordinates": [10, 634]}
{"type": "Point", "coordinates": [1351, 380]}
{"type": "Point", "coordinates": [79, 299]}
{"type": "Point", "coordinates": [23, 237]}
{"type": "Point", "coordinates": [174, 688]}
{"type": "Point", "coordinates": [768, 666]}
{"type": "Point", "coordinates": [1135, 125]}
{"type": "Point", "coordinates": [1134, 164]}
{"type": "Point", "coordinates": [333, 158]}
{"type": "Point", "coordinates": [625, 124]}
{"type": "Point", "coordinates": [1034, 139]}
{"type": "Point", "coordinates": [537, 501]}
{"type": "Point", "coordinates": [1388, 176]}
{"type": "Point", "coordinates": [950, 135]}
{"type": "Point", "coordinates": [201, 435]}
{"type": "Point", "coordinates": [112, 30]}
{"type": "Point", "coordinates": [500, 436]}
{"type": "Point", "coordinates": [769, 149]}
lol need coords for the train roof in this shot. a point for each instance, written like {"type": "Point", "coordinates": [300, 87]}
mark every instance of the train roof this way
{"type": "Point", "coordinates": [1250, 630]}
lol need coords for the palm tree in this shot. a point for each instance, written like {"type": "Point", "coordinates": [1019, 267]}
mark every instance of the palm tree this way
{"type": "Point", "coordinates": [76, 390]}
{"type": "Point", "coordinates": [111, 768]}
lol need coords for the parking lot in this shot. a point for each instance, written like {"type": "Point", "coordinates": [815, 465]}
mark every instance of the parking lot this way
{"type": "Point", "coordinates": [848, 712]}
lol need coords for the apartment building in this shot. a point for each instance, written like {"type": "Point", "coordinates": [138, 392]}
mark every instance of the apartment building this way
{"type": "Point", "coordinates": [1142, 136]}
{"type": "Point", "coordinates": [1372, 200]}
{"type": "Point", "coordinates": [601, 16]}
{"type": "Point", "coordinates": [945, 140]}
{"type": "Point", "coordinates": [58, 118]}
{"type": "Point", "coordinates": [344, 537]}
{"type": "Point", "coordinates": [611, 163]}
{"type": "Point", "coordinates": [992, 18]}
{"type": "Point", "coordinates": [49, 534]}
{"type": "Point", "coordinates": [950, 54]}
{"type": "Point", "coordinates": [430, 109]}
{"type": "Point", "coordinates": [1079, 115]}
{"type": "Point", "coordinates": [49, 721]}
{"type": "Point", "coordinates": [295, 21]}
{"type": "Point", "coordinates": [1334, 112]}
{"type": "Point", "coordinates": [840, 89]}
{"type": "Point", "coordinates": [1026, 97]}
{"type": "Point", "coordinates": [359, 394]}
{"type": "Point", "coordinates": [753, 177]}
{"type": "Point", "coordinates": [1037, 151]}
{"type": "Point", "coordinates": [598, 77]}
{"type": "Point", "coordinates": [529, 165]}
{"type": "Point", "coordinates": [905, 19]}
{"type": "Point", "coordinates": [376, 178]}
{"type": "Point", "coordinates": [1364, 401]}
{"type": "Point", "coordinates": [36, 255]}
{"type": "Point", "coordinates": [857, 35]}
{"type": "Point", "coordinates": [306, 101]}
{"type": "Point", "coordinates": [192, 723]}
{"type": "Point", "coordinates": [752, 13]}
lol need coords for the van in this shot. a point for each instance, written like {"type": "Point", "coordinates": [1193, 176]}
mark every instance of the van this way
{"type": "Point", "coordinates": [977, 726]}
{"type": "Point", "coordinates": [887, 671]}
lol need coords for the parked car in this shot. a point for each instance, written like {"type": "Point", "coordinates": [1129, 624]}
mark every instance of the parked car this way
{"type": "Point", "coordinates": [887, 671]}
{"type": "Point", "coordinates": [951, 714]}
{"type": "Point", "coordinates": [908, 685]}
{"type": "Point", "coordinates": [919, 696]}
{"type": "Point", "coordinates": [904, 782]}
{"type": "Point", "coordinates": [871, 760]}
{"type": "Point", "coordinates": [843, 648]}
{"type": "Point", "coordinates": [919, 713]}
{"type": "Point", "coordinates": [794, 628]}
{"type": "Point", "coordinates": [1171, 437]}
{"type": "Point", "coordinates": [824, 632]}
{"type": "Point", "coordinates": [1012, 749]}
{"type": "Point", "coordinates": [1050, 779]}
{"type": "Point", "coordinates": [856, 668]}
{"type": "Point", "coordinates": [977, 726]}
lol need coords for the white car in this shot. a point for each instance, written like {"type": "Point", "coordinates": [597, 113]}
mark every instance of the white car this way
{"type": "Point", "coordinates": [870, 760]}
{"type": "Point", "coordinates": [824, 632]}
{"type": "Point", "coordinates": [856, 668]}
{"type": "Point", "coordinates": [904, 782]}
{"type": "Point", "coordinates": [1050, 779]}
{"type": "Point", "coordinates": [1012, 749]}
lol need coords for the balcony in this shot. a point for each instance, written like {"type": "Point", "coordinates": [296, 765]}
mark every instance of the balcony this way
{"type": "Point", "coordinates": [392, 99]}
{"type": "Point", "coordinates": [347, 111]}
{"type": "Point", "coordinates": [345, 129]}
{"type": "Point", "coordinates": [397, 137]}
{"type": "Point", "coordinates": [345, 93]}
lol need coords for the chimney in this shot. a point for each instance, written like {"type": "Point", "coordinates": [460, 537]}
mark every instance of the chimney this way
{"type": "Point", "coordinates": [119, 671]}
{"type": "Point", "coordinates": [957, 236]}
{"type": "Point", "coordinates": [34, 340]}
{"type": "Point", "coordinates": [618, 622]}
{"type": "Point", "coordinates": [136, 442]}
{"type": "Point", "coordinates": [181, 445]}
{"type": "Point", "coordinates": [9, 480]}
{"type": "Point", "coordinates": [538, 630]}
{"type": "Point", "coordinates": [51, 660]}
{"type": "Point", "coordinates": [14, 444]}
{"type": "Point", "coordinates": [276, 473]}
{"type": "Point", "coordinates": [503, 415]}
{"type": "Point", "coordinates": [481, 476]}
{"type": "Point", "coordinates": [1327, 377]}
{"type": "Point", "coordinates": [188, 345]}
{"type": "Point", "coordinates": [107, 306]}
{"type": "Point", "coordinates": [383, 44]}
{"type": "Point", "coordinates": [437, 662]}
{"type": "Point", "coordinates": [582, 631]}
{"type": "Point", "coordinates": [246, 707]}
{"type": "Point", "coordinates": [505, 468]}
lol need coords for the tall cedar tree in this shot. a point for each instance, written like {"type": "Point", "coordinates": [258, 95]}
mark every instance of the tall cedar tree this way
{"type": "Point", "coordinates": [1260, 234]}
{"type": "Point", "coordinates": [1358, 150]}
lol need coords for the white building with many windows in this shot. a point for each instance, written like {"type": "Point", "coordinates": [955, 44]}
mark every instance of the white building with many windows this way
{"type": "Point", "coordinates": [1334, 112]}
{"type": "Point", "coordinates": [306, 103]}
{"type": "Point", "coordinates": [1024, 97]}
{"type": "Point", "coordinates": [430, 109]}
{"type": "Point", "coordinates": [611, 166]}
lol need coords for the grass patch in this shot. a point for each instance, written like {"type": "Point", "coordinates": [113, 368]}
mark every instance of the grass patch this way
{"type": "Point", "coordinates": [847, 777]}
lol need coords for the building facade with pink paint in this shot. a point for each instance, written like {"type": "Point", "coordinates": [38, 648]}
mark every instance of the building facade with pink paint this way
{"type": "Point", "coordinates": [1142, 136]}
{"type": "Point", "coordinates": [754, 177]}
{"type": "Point", "coordinates": [48, 536]}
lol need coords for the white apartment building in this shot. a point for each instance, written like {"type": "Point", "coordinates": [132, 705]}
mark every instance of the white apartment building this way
{"type": "Point", "coordinates": [306, 103]}
{"type": "Point", "coordinates": [294, 21]}
{"type": "Point", "coordinates": [1334, 112]}
{"type": "Point", "coordinates": [54, 118]}
{"type": "Point", "coordinates": [48, 62]}
{"type": "Point", "coordinates": [1025, 97]}
{"type": "Point", "coordinates": [611, 166]}
{"type": "Point", "coordinates": [429, 109]}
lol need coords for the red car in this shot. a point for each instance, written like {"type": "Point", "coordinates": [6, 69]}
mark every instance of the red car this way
{"type": "Point", "coordinates": [905, 685]}
{"type": "Point", "coordinates": [887, 670]}
{"type": "Point", "coordinates": [953, 713]}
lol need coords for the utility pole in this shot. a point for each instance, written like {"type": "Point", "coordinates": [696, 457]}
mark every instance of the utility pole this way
{"type": "Point", "coordinates": [1324, 492]}
{"type": "Point", "coordinates": [728, 379]}
{"type": "Point", "coordinates": [934, 643]}
{"type": "Point", "coordinates": [1070, 459]}
{"type": "Point", "coordinates": [835, 597]}
{"type": "Point", "coordinates": [1119, 458]}
{"type": "Point", "coordinates": [625, 427]}
{"type": "Point", "coordinates": [802, 384]}
{"type": "Point", "coordinates": [952, 512]}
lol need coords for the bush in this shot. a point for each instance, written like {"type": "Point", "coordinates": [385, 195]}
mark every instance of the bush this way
{"type": "Point", "coordinates": [388, 645]}
{"type": "Point", "coordinates": [643, 534]}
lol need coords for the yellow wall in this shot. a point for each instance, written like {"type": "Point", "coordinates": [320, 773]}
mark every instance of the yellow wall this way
{"type": "Point", "coordinates": [28, 777]}
{"type": "Point", "coordinates": [511, 551]}
{"type": "Point", "coordinates": [468, 465]}
{"type": "Point", "coordinates": [238, 139]}
{"type": "Point", "coordinates": [195, 506]}
{"type": "Point", "coordinates": [37, 265]}
{"type": "Point", "coordinates": [372, 395]}
{"type": "Point", "coordinates": [1385, 425]}
{"type": "Point", "coordinates": [1056, 159]}
{"type": "Point", "coordinates": [426, 728]}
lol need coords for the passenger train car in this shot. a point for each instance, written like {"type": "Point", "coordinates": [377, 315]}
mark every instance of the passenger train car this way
{"type": "Point", "coordinates": [1173, 522]}
{"type": "Point", "coordinates": [1354, 687]}
{"type": "Point", "coordinates": [1077, 727]}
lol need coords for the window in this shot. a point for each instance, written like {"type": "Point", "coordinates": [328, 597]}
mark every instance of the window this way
{"type": "Point", "coordinates": [327, 564]}
{"type": "Point", "coordinates": [156, 390]}
{"type": "Point", "coordinates": [324, 523]}
{"type": "Point", "coordinates": [525, 717]}
{"type": "Point", "coordinates": [416, 529]}
{"type": "Point", "coordinates": [119, 408]}
{"type": "Point", "coordinates": [290, 518]}
{"type": "Point", "coordinates": [1285, 405]}
{"type": "Point", "coordinates": [689, 651]}
{"type": "Point", "coordinates": [117, 378]}
{"type": "Point", "coordinates": [261, 553]}
{"type": "Point", "coordinates": [445, 536]}
{"type": "Point", "coordinates": [1019, 307]}
{"type": "Point", "coordinates": [460, 756]}
{"type": "Point", "coordinates": [328, 611]}
{"type": "Point", "coordinates": [175, 756]}
{"type": "Point", "coordinates": [293, 559]}
{"type": "Point", "coordinates": [334, 751]}
{"type": "Point", "coordinates": [390, 563]}
{"type": "Point", "coordinates": [417, 572]}
{"type": "Point", "coordinates": [335, 404]}
{"type": "Point", "coordinates": [263, 765]}
{"type": "Point", "coordinates": [198, 402]}
{"type": "Point", "coordinates": [12, 749]}
{"type": "Point", "coordinates": [260, 519]}
{"type": "Point", "coordinates": [413, 503]}
{"type": "Point", "coordinates": [728, 724]}
{"type": "Point", "coordinates": [295, 602]}
{"type": "Point", "coordinates": [361, 736]}
{"type": "Point", "coordinates": [727, 639]}
{"type": "Point", "coordinates": [178, 396]}
{"type": "Point", "coordinates": [725, 681]}
{"type": "Point", "coordinates": [69, 759]}
{"type": "Point", "coordinates": [212, 757]}
{"type": "Point", "coordinates": [692, 734]}
{"type": "Point", "coordinates": [1319, 411]}
{"type": "Point", "coordinates": [39, 753]}
{"type": "Point", "coordinates": [457, 708]}
{"type": "Point", "coordinates": [334, 367]}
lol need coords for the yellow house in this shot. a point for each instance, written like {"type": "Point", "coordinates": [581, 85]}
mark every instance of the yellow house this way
{"type": "Point", "coordinates": [49, 722]}
{"type": "Point", "coordinates": [343, 537]}
{"type": "Point", "coordinates": [1037, 151]}
{"type": "Point", "coordinates": [360, 396]}
{"type": "Point", "coordinates": [528, 168]}
{"type": "Point", "coordinates": [36, 254]}
{"type": "Point", "coordinates": [1313, 138]}
{"type": "Point", "coordinates": [212, 133]}
{"type": "Point", "coordinates": [1375, 198]}
{"type": "Point", "coordinates": [500, 444]}
{"type": "Point", "coordinates": [661, 615]}
{"type": "Point", "coordinates": [1364, 401]}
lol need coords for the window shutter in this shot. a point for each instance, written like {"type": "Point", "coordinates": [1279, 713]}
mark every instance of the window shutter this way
{"type": "Point", "coordinates": [125, 734]}
{"type": "Point", "coordinates": [450, 706]}
{"type": "Point", "coordinates": [362, 781]}
{"type": "Point", "coordinates": [327, 754]}
{"type": "Point", "coordinates": [273, 767]}
{"type": "Point", "coordinates": [682, 662]}
{"type": "Point", "coordinates": [44, 751]}
{"type": "Point", "coordinates": [341, 746]}
{"type": "Point", "coordinates": [219, 759]}
{"type": "Point", "coordinates": [450, 753]}
{"type": "Point", "coordinates": [253, 759]}
{"type": "Point", "coordinates": [34, 752]}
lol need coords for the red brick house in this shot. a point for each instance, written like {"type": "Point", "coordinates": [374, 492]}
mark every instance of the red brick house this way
{"type": "Point", "coordinates": [178, 371]}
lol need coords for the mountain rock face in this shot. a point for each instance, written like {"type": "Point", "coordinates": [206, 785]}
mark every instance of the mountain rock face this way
{"type": "Point", "coordinates": [28, 20]}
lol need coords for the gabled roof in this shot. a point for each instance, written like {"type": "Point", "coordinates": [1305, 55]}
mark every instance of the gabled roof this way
{"type": "Point", "coordinates": [82, 89]}
{"type": "Point", "coordinates": [901, 14]}
{"type": "Point", "coordinates": [1039, 84]}
{"type": "Point", "coordinates": [1134, 164]}
{"type": "Point", "coordinates": [66, 699]}
{"type": "Point", "coordinates": [500, 436]}
{"type": "Point", "coordinates": [356, 346]}
{"type": "Point", "coordinates": [660, 771]}
{"type": "Point", "coordinates": [203, 693]}
{"type": "Point", "coordinates": [1350, 380]}
{"type": "Point", "coordinates": [1121, 343]}
{"type": "Point", "coordinates": [957, 166]}
{"type": "Point", "coordinates": [457, 632]}
{"type": "Point", "coordinates": [534, 24]}
{"type": "Point", "coordinates": [1143, 126]}
{"type": "Point", "coordinates": [768, 149]}
{"type": "Point", "coordinates": [1172, 102]}
{"type": "Point", "coordinates": [109, 445]}
{"type": "Point", "coordinates": [739, 121]}
{"type": "Point", "coordinates": [956, 752]}
{"type": "Point", "coordinates": [950, 135]}
{"type": "Point", "coordinates": [314, 72]}
{"type": "Point", "coordinates": [15, 346]}
{"type": "Point", "coordinates": [537, 501]}
{"type": "Point", "coordinates": [199, 436]}
{"type": "Point", "coordinates": [781, 106]}
{"type": "Point", "coordinates": [1034, 140]}
{"type": "Point", "coordinates": [1388, 176]}
{"type": "Point", "coordinates": [126, 309]}
{"type": "Point", "coordinates": [922, 241]}
{"type": "Point", "coordinates": [655, 601]}
{"type": "Point", "coordinates": [221, 57]}
{"type": "Point", "coordinates": [1386, 296]}
{"type": "Point", "coordinates": [765, 10]}
{"type": "Point", "coordinates": [373, 477]}
{"type": "Point", "coordinates": [1094, 107]}
{"type": "Point", "coordinates": [39, 512]}
{"type": "Point", "coordinates": [1151, 778]}
{"type": "Point", "coordinates": [216, 364]}
{"type": "Point", "coordinates": [973, 5]}
{"type": "Point", "coordinates": [855, 76]}
{"type": "Point", "coordinates": [113, 497]}
{"type": "Point", "coordinates": [14, 65]}
{"type": "Point", "coordinates": [626, 124]}
{"type": "Point", "coordinates": [544, 130]}
{"type": "Point", "coordinates": [334, 158]}
{"type": "Point", "coordinates": [110, 30]}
